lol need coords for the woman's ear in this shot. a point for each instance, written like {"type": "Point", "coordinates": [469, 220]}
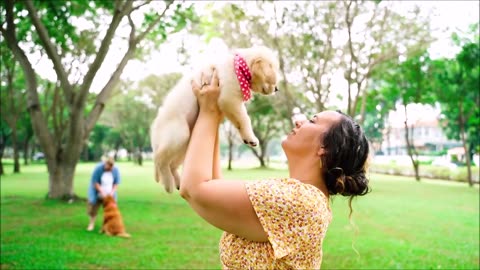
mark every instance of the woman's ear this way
{"type": "Point", "coordinates": [321, 151]}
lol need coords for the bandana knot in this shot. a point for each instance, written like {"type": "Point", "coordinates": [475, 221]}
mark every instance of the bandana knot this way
{"type": "Point", "coordinates": [244, 76]}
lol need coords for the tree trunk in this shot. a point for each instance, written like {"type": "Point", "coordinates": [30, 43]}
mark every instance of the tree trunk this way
{"type": "Point", "coordinates": [261, 156]}
{"type": "Point", "coordinates": [16, 158]}
{"type": "Point", "coordinates": [1, 161]}
{"type": "Point", "coordinates": [230, 154]}
{"type": "Point", "coordinates": [115, 155]}
{"type": "Point", "coordinates": [3, 141]}
{"type": "Point", "coordinates": [60, 180]}
{"type": "Point", "coordinates": [411, 147]}
{"type": "Point", "coordinates": [140, 156]}
{"type": "Point", "coordinates": [363, 105]}
{"type": "Point", "coordinates": [85, 153]}
{"type": "Point", "coordinates": [262, 161]}
{"type": "Point", "coordinates": [465, 146]}
{"type": "Point", "coordinates": [26, 151]}
{"type": "Point", "coordinates": [32, 150]}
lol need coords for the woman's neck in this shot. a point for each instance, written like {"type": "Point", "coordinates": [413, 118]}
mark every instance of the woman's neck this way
{"type": "Point", "coordinates": [308, 172]}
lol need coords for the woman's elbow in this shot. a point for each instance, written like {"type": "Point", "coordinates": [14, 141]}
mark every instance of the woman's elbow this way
{"type": "Point", "coordinates": [186, 188]}
{"type": "Point", "coordinates": [184, 193]}
{"type": "Point", "coordinates": [189, 190]}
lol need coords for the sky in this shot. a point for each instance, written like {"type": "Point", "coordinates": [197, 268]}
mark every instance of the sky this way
{"type": "Point", "coordinates": [447, 14]}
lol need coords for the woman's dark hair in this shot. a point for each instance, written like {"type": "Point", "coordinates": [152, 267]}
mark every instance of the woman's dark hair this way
{"type": "Point", "coordinates": [344, 162]}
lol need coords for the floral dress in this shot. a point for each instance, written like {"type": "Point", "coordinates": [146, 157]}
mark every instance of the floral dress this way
{"type": "Point", "coordinates": [295, 217]}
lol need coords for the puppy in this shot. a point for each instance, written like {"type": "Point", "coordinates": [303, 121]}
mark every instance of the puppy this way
{"type": "Point", "coordinates": [240, 72]}
{"type": "Point", "coordinates": [112, 219]}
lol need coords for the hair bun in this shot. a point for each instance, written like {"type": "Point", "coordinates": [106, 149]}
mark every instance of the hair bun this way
{"type": "Point", "coordinates": [347, 185]}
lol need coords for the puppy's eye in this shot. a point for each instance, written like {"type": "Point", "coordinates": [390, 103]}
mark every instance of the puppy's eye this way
{"type": "Point", "coordinates": [311, 121]}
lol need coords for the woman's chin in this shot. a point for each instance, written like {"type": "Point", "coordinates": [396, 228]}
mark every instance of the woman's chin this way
{"type": "Point", "coordinates": [285, 141]}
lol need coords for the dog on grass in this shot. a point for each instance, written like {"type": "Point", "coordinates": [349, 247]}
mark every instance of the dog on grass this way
{"type": "Point", "coordinates": [240, 72]}
{"type": "Point", "coordinates": [112, 219]}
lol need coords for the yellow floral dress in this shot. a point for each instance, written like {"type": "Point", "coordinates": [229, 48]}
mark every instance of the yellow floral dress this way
{"type": "Point", "coordinates": [295, 217]}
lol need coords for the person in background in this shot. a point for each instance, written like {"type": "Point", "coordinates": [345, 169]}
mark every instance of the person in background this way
{"type": "Point", "coordinates": [104, 181]}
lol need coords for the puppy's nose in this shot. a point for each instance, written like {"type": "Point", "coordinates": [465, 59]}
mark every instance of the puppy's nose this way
{"type": "Point", "coordinates": [276, 89]}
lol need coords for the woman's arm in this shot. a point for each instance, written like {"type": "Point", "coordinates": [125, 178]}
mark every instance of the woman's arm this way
{"type": "Point", "coordinates": [224, 204]}
{"type": "Point", "coordinates": [217, 166]}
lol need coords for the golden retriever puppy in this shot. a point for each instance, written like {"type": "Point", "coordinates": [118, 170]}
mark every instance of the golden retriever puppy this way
{"type": "Point", "coordinates": [112, 219]}
{"type": "Point", "coordinates": [240, 73]}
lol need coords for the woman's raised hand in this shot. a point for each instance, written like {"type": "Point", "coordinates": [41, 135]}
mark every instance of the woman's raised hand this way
{"type": "Point", "coordinates": [207, 94]}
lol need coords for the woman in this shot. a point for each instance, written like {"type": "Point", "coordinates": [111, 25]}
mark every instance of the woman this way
{"type": "Point", "coordinates": [274, 224]}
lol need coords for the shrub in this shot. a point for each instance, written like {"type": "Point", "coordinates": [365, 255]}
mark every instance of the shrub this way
{"type": "Point", "coordinates": [427, 171]}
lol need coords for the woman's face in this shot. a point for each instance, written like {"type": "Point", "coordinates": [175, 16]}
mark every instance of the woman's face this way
{"type": "Point", "coordinates": [306, 137]}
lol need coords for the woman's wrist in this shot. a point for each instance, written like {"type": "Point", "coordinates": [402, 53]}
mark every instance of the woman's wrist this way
{"type": "Point", "coordinates": [214, 114]}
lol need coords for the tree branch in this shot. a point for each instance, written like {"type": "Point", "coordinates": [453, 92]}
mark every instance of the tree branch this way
{"type": "Point", "coordinates": [105, 93]}
{"type": "Point", "coordinates": [51, 51]}
{"type": "Point", "coordinates": [153, 24]}
{"type": "Point", "coordinates": [141, 5]}
{"type": "Point", "coordinates": [102, 51]}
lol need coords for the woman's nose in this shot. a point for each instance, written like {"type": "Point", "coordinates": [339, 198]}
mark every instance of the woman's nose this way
{"type": "Point", "coordinates": [299, 123]}
{"type": "Point", "coordinates": [298, 119]}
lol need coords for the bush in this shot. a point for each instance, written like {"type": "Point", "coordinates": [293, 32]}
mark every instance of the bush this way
{"type": "Point", "coordinates": [427, 171]}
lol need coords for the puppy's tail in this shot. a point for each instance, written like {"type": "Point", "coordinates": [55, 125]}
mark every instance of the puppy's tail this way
{"type": "Point", "coordinates": [124, 235]}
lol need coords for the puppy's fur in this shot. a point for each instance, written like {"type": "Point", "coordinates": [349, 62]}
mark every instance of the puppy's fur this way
{"type": "Point", "coordinates": [170, 131]}
{"type": "Point", "coordinates": [112, 219]}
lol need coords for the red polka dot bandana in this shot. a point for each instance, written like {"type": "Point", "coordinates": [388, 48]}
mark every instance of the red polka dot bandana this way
{"type": "Point", "coordinates": [244, 76]}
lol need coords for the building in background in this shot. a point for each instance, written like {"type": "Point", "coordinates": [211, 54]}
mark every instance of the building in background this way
{"type": "Point", "coordinates": [424, 130]}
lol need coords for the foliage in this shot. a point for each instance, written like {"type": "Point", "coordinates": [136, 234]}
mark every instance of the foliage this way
{"type": "Point", "coordinates": [266, 124]}
{"type": "Point", "coordinates": [394, 225]}
{"type": "Point", "coordinates": [133, 108]}
{"type": "Point", "coordinates": [308, 37]}
{"type": "Point", "coordinates": [12, 103]}
{"type": "Point", "coordinates": [404, 82]}
{"type": "Point", "coordinates": [457, 83]}
{"type": "Point", "coordinates": [76, 37]}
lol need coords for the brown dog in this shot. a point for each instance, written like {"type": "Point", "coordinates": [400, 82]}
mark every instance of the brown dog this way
{"type": "Point", "coordinates": [112, 219]}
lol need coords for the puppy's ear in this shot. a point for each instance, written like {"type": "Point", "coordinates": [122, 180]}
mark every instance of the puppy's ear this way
{"type": "Point", "coordinates": [257, 69]}
{"type": "Point", "coordinates": [263, 71]}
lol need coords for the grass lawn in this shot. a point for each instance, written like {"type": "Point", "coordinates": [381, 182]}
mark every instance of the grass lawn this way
{"type": "Point", "coordinates": [402, 224]}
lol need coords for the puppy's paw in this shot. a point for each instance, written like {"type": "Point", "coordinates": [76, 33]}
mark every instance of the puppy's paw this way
{"type": "Point", "coordinates": [252, 141]}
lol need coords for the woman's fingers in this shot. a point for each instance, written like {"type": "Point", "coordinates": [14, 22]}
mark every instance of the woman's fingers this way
{"type": "Point", "coordinates": [214, 81]}
{"type": "Point", "coordinates": [204, 79]}
{"type": "Point", "coordinates": [195, 87]}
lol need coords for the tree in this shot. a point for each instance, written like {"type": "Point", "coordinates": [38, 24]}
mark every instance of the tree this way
{"type": "Point", "coordinates": [231, 24]}
{"type": "Point", "coordinates": [12, 100]}
{"type": "Point", "coordinates": [308, 37]}
{"type": "Point", "coordinates": [114, 140]}
{"type": "Point", "coordinates": [133, 108]}
{"type": "Point", "coordinates": [4, 137]}
{"type": "Point", "coordinates": [49, 26]}
{"type": "Point", "coordinates": [407, 82]}
{"type": "Point", "coordinates": [377, 107]}
{"type": "Point", "coordinates": [231, 134]}
{"type": "Point", "coordinates": [266, 124]}
{"type": "Point", "coordinates": [377, 34]}
{"type": "Point", "coordinates": [457, 84]}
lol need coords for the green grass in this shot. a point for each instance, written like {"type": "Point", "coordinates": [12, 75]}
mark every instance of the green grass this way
{"type": "Point", "coordinates": [402, 224]}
